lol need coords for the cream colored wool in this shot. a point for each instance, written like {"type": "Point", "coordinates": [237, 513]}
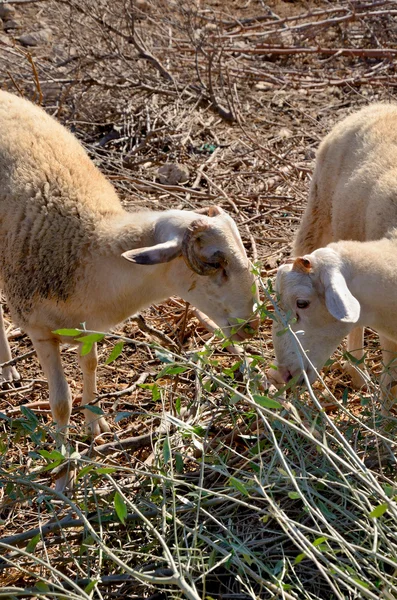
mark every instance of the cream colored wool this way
{"type": "Point", "coordinates": [349, 284]}
{"type": "Point", "coordinates": [64, 241]}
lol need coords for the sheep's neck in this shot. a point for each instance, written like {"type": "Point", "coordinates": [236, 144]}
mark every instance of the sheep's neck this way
{"type": "Point", "coordinates": [372, 278]}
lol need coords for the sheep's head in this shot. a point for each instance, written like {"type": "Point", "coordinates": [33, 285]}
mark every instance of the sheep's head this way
{"type": "Point", "coordinates": [315, 299]}
{"type": "Point", "coordinates": [209, 266]}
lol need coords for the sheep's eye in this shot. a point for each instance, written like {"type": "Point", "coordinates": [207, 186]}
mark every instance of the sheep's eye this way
{"type": "Point", "coordinates": [302, 303]}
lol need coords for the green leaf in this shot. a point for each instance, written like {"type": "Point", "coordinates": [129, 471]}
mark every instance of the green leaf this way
{"type": "Point", "coordinates": [87, 342]}
{"type": "Point", "coordinates": [294, 495]}
{"type": "Point", "coordinates": [54, 455]}
{"type": "Point", "coordinates": [53, 465]}
{"type": "Point", "coordinates": [91, 338]}
{"type": "Point", "coordinates": [33, 543]}
{"type": "Point", "coordinates": [267, 402]}
{"type": "Point", "coordinates": [89, 587]}
{"type": "Point", "coordinates": [120, 507]}
{"type": "Point", "coordinates": [234, 399]}
{"type": "Point", "coordinates": [179, 465]}
{"type": "Point", "coordinates": [29, 415]}
{"type": "Point", "coordinates": [124, 414]}
{"type": "Point", "coordinates": [115, 353]}
{"type": "Point", "coordinates": [389, 490]}
{"type": "Point", "coordinates": [282, 332]}
{"type": "Point", "coordinates": [164, 356]}
{"type": "Point", "coordinates": [84, 471]}
{"type": "Point", "coordinates": [198, 430]}
{"type": "Point", "coordinates": [248, 559]}
{"type": "Point", "coordinates": [42, 587]}
{"type": "Point", "coordinates": [299, 558]}
{"type": "Point", "coordinates": [364, 584]}
{"type": "Point", "coordinates": [86, 348]}
{"type": "Point", "coordinates": [378, 511]}
{"type": "Point", "coordinates": [178, 405]}
{"type": "Point", "coordinates": [86, 543]}
{"type": "Point", "coordinates": [156, 395]}
{"type": "Point", "coordinates": [172, 370]}
{"type": "Point", "coordinates": [238, 485]}
{"type": "Point", "coordinates": [68, 332]}
{"type": "Point", "coordinates": [97, 410]}
{"type": "Point", "coordinates": [166, 451]}
{"type": "Point", "coordinates": [319, 541]}
{"type": "Point", "coordinates": [105, 470]}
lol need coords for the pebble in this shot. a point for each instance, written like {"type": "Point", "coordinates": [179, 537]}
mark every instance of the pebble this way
{"type": "Point", "coordinates": [6, 11]}
{"type": "Point", "coordinates": [173, 173]}
{"type": "Point", "coordinates": [42, 36]}
{"type": "Point", "coordinates": [11, 24]}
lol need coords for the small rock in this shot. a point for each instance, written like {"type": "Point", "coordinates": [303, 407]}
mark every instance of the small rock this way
{"type": "Point", "coordinates": [11, 24]}
{"type": "Point", "coordinates": [285, 133]}
{"type": "Point", "coordinates": [310, 154]}
{"type": "Point", "coordinates": [36, 38]}
{"type": "Point", "coordinates": [6, 11]}
{"type": "Point", "coordinates": [6, 41]}
{"type": "Point", "coordinates": [173, 173]}
{"type": "Point", "coordinates": [142, 5]}
{"type": "Point", "coordinates": [264, 85]}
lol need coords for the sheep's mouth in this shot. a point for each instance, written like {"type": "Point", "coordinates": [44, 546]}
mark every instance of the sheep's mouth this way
{"type": "Point", "coordinates": [299, 378]}
{"type": "Point", "coordinates": [296, 377]}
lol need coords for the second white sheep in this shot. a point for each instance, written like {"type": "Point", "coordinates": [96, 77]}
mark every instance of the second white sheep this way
{"type": "Point", "coordinates": [336, 290]}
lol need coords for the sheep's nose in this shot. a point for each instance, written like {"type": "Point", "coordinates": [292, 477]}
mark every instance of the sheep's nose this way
{"type": "Point", "coordinates": [284, 373]}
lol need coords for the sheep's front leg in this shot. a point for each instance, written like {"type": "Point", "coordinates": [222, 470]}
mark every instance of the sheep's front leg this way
{"type": "Point", "coordinates": [355, 347]}
{"type": "Point", "coordinates": [60, 397]}
{"type": "Point", "coordinates": [9, 373]}
{"type": "Point", "coordinates": [388, 379]}
{"type": "Point", "coordinates": [88, 364]}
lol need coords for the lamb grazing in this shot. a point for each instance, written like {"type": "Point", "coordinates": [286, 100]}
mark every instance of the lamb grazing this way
{"type": "Point", "coordinates": [336, 290]}
{"type": "Point", "coordinates": [64, 241]}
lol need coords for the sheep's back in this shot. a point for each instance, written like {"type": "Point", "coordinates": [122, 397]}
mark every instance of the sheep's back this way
{"type": "Point", "coordinates": [356, 174]}
{"type": "Point", "coordinates": [52, 199]}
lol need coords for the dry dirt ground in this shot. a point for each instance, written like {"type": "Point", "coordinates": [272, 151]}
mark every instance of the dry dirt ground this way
{"type": "Point", "coordinates": [239, 92]}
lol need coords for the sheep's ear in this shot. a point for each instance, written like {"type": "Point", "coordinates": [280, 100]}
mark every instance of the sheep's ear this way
{"type": "Point", "coordinates": [210, 211]}
{"type": "Point", "coordinates": [339, 301]}
{"type": "Point", "coordinates": [214, 211]}
{"type": "Point", "coordinates": [153, 255]}
{"type": "Point", "coordinates": [302, 265]}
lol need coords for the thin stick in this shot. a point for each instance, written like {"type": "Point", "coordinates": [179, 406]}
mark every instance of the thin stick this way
{"type": "Point", "coordinates": [36, 76]}
{"type": "Point", "coordinates": [167, 341]}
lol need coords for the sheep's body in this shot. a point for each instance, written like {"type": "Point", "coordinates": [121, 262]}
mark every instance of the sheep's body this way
{"type": "Point", "coordinates": [353, 191]}
{"type": "Point", "coordinates": [63, 232]}
{"type": "Point", "coordinates": [42, 168]}
{"type": "Point", "coordinates": [353, 196]}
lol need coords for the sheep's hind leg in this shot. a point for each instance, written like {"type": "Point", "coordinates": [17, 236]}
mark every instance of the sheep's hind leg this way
{"type": "Point", "coordinates": [88, 364]}
{"type": "Point", "coordinates": [388, 379]}
{"type": "Point", "coordinates": [355, 347]}
{"type": "Point", "coordinates": [60, 397]}
{"type": "Point", "coordinates": [8, 373]}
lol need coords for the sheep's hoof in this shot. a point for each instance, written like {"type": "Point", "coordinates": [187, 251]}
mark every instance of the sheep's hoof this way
{"type": "Point", "coordinates": [358, 380]}
{"type": "Point", "coordinates": [9, 375]}
{"type": "Point", "coordinates": [98, 426]}
{"type": "Point", "coordinates": [65, 479]}
{"type": "Point", "coordinates": [274, 378]}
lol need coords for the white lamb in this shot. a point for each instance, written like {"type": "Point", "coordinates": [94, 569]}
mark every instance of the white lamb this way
{"type": "Point", "coordinates": [64, 241]}
{"type": "Point", "coordinates": [337, 290]}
